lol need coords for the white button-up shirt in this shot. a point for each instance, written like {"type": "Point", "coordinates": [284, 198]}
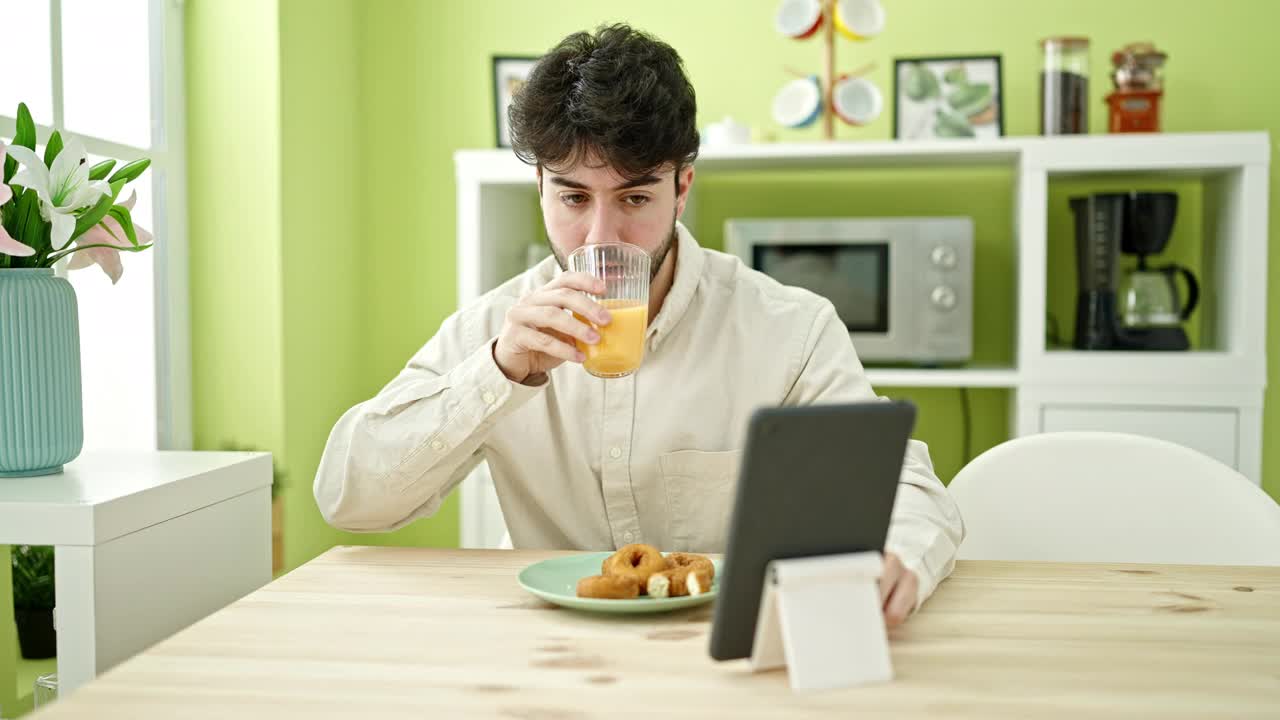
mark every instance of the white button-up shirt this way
{"type": "Point", "coordinates": [585, 463]}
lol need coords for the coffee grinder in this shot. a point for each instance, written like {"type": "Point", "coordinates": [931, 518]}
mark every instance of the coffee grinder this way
{"type": "Point", "coordinates": [1139, 309]}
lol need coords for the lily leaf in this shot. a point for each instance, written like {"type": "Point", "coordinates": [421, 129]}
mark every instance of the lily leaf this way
{"type": "Point", "coordinates": [26, 130]}
{"type": "Point", "coordinates": [92, 216]}
{"type": "Point", "coordinates": [99, 171]}
{"type": "Point", "coordinates": [132, 170]}
{"type": "Point", "coordinates": [122, 216]}
{"type": "Point", "coordinates": [32, 229]}
{"type": "Point", "coordinates": [24, 137]}
{"type": "Point", "coordinates": [921, 84]}
{"type": "Point", "coordinates": [52, 148]}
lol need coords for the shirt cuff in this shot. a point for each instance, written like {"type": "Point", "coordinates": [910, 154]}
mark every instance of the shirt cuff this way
{"type": "Point", "coordinates": [921, 552]}
{"type": "Point", "coordinates": [504, 392]}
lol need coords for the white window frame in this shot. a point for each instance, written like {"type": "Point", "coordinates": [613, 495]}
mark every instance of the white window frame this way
{"type": "Point", "coordinates": [169, 205]}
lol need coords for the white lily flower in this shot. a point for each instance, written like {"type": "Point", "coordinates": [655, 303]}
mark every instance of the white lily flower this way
{"type": "Point", "coordinates": [63, 189]}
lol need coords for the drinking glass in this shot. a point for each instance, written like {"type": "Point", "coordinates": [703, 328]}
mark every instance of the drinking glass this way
{"type": "Point", "coordinates": [45, 691]}
{"type": "Point", "coordinates": [625, 271]}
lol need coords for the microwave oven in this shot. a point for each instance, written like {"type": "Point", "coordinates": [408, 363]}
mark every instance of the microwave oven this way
{"type": "Point", "coordinates": [902, 286]}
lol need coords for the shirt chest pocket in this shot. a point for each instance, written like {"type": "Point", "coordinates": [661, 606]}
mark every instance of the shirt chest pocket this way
{"type": "Point", "coordinates": [700, 490]}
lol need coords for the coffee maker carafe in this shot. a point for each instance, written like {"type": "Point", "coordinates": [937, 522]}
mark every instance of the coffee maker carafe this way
{"type": "Point", "coordinates": [1140, 310]}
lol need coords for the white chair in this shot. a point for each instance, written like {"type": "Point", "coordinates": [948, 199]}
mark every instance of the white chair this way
{"type": "Point", "coordinates": [1112, 497]}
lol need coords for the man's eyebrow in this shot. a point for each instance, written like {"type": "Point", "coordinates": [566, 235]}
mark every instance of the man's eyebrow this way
{"type": "Point", "coordinates": [566, 182]}
{"type": "Point", "coordinates": [639, 182]}
{"type": "Point", "coordinates": [633, 183]}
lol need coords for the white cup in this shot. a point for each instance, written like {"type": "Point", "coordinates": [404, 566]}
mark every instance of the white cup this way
{"type": "Point", "coordinates": [856, 100]}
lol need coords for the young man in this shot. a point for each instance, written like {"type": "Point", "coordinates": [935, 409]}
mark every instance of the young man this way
{"type": "Point", "coordinates": [583, 463]}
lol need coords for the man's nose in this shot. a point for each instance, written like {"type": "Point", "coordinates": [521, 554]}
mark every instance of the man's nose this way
{"type": "Point", "coordinates": [604, 226]}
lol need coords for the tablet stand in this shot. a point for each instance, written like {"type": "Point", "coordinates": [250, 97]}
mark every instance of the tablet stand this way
{"type": "Point", "coordinates": [821, 618]}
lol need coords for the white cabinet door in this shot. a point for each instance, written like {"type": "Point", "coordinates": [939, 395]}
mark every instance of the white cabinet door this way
{"type": "Point", "coordinates": [1212, 431]}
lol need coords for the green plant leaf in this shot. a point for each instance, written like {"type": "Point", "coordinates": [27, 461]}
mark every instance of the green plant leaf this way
{"type": "Point", "coordinates": [969, 100]}
{"type": "Point", "coordinates": [950, 125]}
{"type": "Point", "coordinates": [52, 148]}
{"type": "Point", "coordinates": [24, 136]}
{"type": "Point", "coordinates": [26, 130]}
{"type": "Point", "coordinates": [93, 215]}
{"type": "Point", "coordinates": [921, 84]}
{"type": "Point", "coordinates": [956, 76]}
{"type": "Point", "coordinates": [132, 170]}
{"type": "Point", "coordinates": [30, 227]}
{"type": "Point", "coordinates": [122, 216]}
{"type": "Point", "coordinates": [33, 578]}
{"type": "Point", "coordinates": [99, 171]}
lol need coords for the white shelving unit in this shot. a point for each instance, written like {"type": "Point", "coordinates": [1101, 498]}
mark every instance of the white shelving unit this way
{"type": "Point", "coordinates": [145, 543]}
{"type": "Point", "coordinates": [1210, 400]}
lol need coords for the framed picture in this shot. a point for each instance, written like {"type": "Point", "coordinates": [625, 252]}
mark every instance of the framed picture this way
{"type": "Point", "coordinates": [947, 97]}
{"type": "Point", "coordinates": [509, 73]}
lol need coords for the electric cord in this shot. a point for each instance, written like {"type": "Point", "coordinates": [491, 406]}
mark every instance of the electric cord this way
{"type": "Point", "coordinates": [1053, 331]}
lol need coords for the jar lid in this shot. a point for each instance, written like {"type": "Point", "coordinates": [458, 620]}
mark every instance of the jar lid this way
{"type": "Point", "coordinates": [1069, 41]}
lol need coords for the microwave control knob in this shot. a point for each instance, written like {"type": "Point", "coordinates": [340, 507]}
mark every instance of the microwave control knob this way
{"type": "Point", "coordinates": [944, 256]}
{"type": "Point", "coordinates": [943, 297]}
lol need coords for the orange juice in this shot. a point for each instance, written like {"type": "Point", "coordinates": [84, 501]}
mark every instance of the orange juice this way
{"type": "Point", "coordinates": [621, 345]}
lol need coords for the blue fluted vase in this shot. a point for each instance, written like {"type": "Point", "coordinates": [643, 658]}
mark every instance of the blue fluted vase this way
{"type": "Point", "coordinates": [41, 422]}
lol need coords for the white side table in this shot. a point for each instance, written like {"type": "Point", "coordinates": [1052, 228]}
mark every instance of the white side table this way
{"type": "Point", "coordinates": [146, 543]}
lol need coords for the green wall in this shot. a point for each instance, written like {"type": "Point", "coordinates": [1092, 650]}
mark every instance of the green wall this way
{"type": "Point", "coordinates": [324, 245]}
{"type": "Point", "coordinates": [372, 99]}
{"type": "Point", "coordinates": [234, 186]}
{"type": "Point", "coordinates": [8, 639]}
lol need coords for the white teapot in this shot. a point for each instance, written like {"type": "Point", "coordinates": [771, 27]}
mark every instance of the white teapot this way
{"type": "Point", "coordinates": [726, 132]}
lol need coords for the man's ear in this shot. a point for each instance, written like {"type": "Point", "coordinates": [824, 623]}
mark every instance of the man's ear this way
{"type": "Point", "coordinates": [684, 180]}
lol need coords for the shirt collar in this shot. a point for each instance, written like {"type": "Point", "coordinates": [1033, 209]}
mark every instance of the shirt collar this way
{"type": "Point", "coordinates": [689, 261]}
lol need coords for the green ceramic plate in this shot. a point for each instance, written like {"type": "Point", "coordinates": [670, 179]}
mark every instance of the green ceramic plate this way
{"type": "Point", "coordinates": [556, 581]}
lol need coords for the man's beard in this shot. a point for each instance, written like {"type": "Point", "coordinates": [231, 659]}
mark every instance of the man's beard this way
{"type": "Point", "coordinates": [655, 259]}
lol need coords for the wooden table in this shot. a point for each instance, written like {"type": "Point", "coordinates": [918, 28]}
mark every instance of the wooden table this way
{"type": "Point", "coordinates": [420, 633]}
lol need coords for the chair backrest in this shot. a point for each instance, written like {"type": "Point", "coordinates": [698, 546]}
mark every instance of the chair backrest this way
{"type": "Point", "coordinates": [1112, 497]}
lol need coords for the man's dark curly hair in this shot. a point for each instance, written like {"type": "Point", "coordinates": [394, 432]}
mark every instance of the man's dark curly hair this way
{"type": "Point", "coordinates": [620, 95]}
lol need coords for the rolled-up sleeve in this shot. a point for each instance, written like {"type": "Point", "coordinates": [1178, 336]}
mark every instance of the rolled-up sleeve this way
{"type": "Point", "coordinates": [395, 457]}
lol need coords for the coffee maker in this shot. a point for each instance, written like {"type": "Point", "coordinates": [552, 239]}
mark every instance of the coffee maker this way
{"type": "Point", "coordinates": [1139, 309]}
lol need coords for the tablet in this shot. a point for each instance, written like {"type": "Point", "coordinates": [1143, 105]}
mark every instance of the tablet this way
{"type": "Point", "coordinates": [815, 480]}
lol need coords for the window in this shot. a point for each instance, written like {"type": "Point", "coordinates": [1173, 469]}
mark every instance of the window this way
{"type": "Point", "coordinates": [110, 73]}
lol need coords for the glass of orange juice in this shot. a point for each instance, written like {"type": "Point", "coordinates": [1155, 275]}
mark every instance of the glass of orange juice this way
{"type": "Point", "coordinates": [625, 271]}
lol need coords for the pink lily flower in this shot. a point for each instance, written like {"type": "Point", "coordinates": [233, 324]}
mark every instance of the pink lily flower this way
{"type": "Point", "coordinates": [107, 258]}
{"type": "Point", "coordinates": [8, 245]}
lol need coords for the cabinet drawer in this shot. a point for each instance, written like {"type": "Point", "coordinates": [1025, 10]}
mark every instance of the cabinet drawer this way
{"type": "Point", "coordinates": [1212, 431]}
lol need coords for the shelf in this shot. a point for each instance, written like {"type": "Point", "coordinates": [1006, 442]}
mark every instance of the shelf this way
{"type": "Point", "coordinates": [1066, 155]}
{"type": "Point", "coordinates": [1174, 369]}
{"type": "Point", "coordinates": [973, 377]}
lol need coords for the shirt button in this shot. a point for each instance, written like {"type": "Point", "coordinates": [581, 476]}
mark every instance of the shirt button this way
{"type": "Point", "coordinates": [488, 398]}
{"type": "Point", "coordinates": [628, 536]}
{"type": "Point", "coordinates": [437, 445]}
{"type": "Point", "coordinates": [615, 452]}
